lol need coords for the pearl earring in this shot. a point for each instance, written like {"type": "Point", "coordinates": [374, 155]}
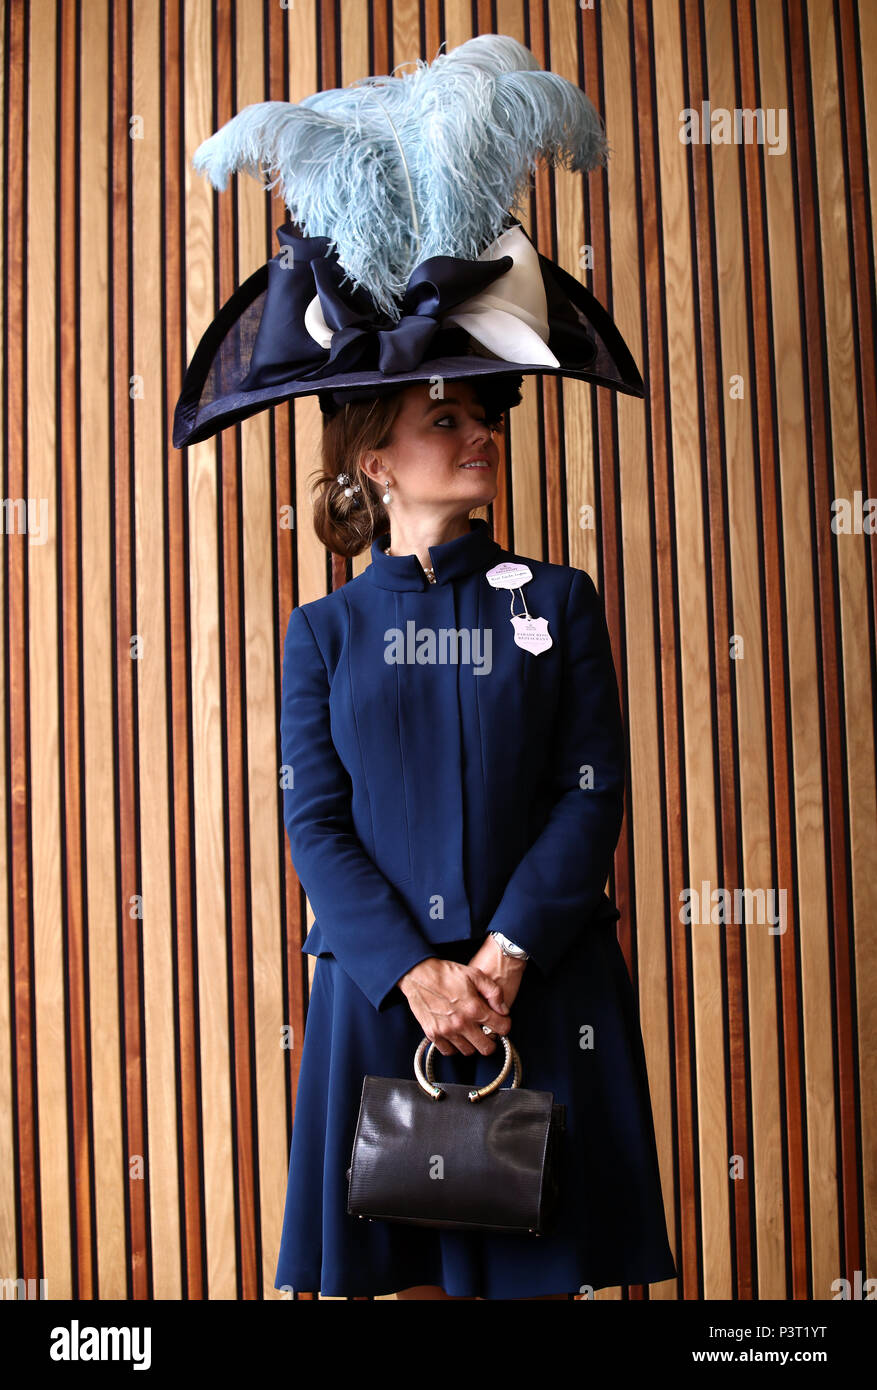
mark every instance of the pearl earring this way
{"type": "Point", "coordinates": [386, 496]}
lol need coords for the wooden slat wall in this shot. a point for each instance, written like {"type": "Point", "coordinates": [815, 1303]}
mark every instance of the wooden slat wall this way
{"type": "Point", "coordinates": [151, 918]}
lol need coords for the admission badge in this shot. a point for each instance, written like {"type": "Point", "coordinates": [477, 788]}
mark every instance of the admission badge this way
{"type": "Point", "coordinates": [531, 633]}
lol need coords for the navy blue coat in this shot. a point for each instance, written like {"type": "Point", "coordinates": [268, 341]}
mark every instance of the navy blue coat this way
{"type": "Point", "coordinates": [372, 750]}
{"type": "Point", "coordinates": [427, 803]}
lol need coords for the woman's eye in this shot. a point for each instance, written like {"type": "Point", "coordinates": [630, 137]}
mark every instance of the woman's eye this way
{"type": "Point", "coordinates": [452, 418]}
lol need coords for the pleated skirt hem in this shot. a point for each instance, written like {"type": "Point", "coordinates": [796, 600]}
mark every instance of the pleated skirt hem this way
{"type": "Point", "coordinates": [309, 1281]}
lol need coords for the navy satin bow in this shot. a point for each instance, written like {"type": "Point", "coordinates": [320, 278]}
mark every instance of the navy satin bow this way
{"type": "Point", "coordinates": [363, 337]}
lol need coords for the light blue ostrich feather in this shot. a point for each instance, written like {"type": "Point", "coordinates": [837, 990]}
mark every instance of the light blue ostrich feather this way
{"type": "Point", "coordinates": [433, 162]}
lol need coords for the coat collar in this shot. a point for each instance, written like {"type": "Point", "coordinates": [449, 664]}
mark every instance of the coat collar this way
{"type": "Point", "coordinates": [450, 560]}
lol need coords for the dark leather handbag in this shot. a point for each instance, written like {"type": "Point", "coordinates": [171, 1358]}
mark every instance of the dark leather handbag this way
{"type": "Point", "coordinates": [469, 1160]}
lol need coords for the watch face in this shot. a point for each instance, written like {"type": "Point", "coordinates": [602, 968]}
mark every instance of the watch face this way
{"type": "Point", "coordinates": [509, 947]}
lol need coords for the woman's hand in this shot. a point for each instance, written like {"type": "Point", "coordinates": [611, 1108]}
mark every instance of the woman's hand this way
{"type": "Point", "coordinates": [506, 971]}
{"type": "Point", "coordinates": [451, 1001]}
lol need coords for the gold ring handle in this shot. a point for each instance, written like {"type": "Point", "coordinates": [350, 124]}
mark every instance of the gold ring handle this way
{"type": "Point", "coordinates": [427, 1083]}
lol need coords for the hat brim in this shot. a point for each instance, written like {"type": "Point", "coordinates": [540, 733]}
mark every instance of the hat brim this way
{"type": "Point", "coordinates": [211, 398]}
{"type": "Point", "coordinates": [504, 393]}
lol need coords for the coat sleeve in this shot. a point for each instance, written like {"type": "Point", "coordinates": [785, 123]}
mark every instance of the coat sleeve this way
{"type": "Point", "coordinates": [559, 881]}
{"type": "Point", "coordinates": [368, 928]}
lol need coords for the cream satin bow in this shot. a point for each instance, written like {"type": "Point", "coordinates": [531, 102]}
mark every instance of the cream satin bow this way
{"type": "Point", "coordinates": [509, 318]}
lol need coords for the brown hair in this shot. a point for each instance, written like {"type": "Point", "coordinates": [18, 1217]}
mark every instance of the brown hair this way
{"type": "Point", "coordinates": [348, 525]}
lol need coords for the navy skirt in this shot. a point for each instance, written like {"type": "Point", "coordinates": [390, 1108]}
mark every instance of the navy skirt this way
{"type": "Point", "coordinates": [610, 1226]}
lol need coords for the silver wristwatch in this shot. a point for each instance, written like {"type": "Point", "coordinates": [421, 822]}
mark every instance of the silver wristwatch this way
{"type": "Point", "coordinates": [509, 948]}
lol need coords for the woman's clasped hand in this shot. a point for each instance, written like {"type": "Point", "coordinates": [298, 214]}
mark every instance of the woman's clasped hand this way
{"type": "Point", "coordinates": [452, 1001]}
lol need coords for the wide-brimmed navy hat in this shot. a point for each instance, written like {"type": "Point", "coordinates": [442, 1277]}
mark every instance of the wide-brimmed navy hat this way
{"type": "Point", "coordinates": [413, 267]}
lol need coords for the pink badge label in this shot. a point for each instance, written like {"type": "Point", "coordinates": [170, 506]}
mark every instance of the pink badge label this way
{"type": "Point", "coordinates": [509, 575]}
{"type": "Point", "coordinates": [532, 634]}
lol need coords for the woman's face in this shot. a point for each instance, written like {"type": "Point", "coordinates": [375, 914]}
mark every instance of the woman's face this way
{"type": "Point", "coordinates": [432, 441]}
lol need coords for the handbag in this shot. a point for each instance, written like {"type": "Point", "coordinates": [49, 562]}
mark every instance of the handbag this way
{"type": "Point", "coordinates": [484, 1159]}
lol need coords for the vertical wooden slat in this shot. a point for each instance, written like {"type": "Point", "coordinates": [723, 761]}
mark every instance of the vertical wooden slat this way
{"type": "Point", "coordinates": [859, 40]}
{"type": "Point", "coordinates": [125, 620]}
{"type": "Point", "coordinates": [149, 437]}
{"type": "Point", "coordinates": [43, 733]}
{"type": "Point", "coordinates": [70, 547]}
{"type": "Point", "coordinates": [688, 542]}
{"type": "Point", "coordinates": [214, 648]}
{"type": "Point", "coordinates": [855, 586]}
{"type": "Point", "coordinates": [643, 925]}
{"type": "Point", "coordinates": [189, 121]}
{"type": "Point", "coordinates": [8, 1220]}
{"type": "Point", "coordinates": [243, 497]}
{"type": "Point", "coordinates": [857, 844]}
{"type": "Point", "coordinates": [655, 372]}
{"type": "Point", "coordinates": [815, 375]}
{"type": "Point", "coordinates": [99, 652]}
{"type": "Point", "coordinates": [24, 1252]}
{"type": "Point", "coordinates": [778, 1136]}
{"type": "Point", "coordinates": [733, 283]}
{"type": "Point", "coordinates": [723, 279]}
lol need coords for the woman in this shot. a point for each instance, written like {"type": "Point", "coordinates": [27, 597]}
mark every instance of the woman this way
{"type": "Point", "coordinates": [429, 803]}
{"type": "Point", "coordinates": [452, 821]}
